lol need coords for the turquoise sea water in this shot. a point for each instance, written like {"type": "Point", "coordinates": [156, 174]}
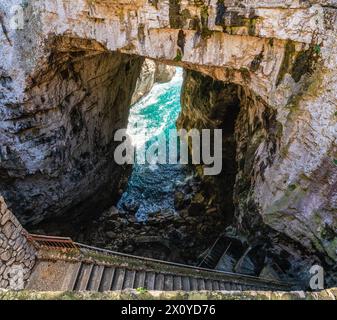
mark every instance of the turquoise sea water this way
{"type": "Point", "coordinates": [151, 187]}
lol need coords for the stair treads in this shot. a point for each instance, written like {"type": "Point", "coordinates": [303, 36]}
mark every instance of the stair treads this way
{"type": "Point", "coordinates": [186, 283]}
{"type": "Point", "coordinates": [140, 279]}
{"type": "Point", "coordinates": [177, 283]}
{"type": "Point", "coordinates": [208, 285]}
{"type": "Point", "coordinates": [83, 278]}
{"type": "Point", "coordinates": [150, 280]}
{"type": "Point", "coordinates": [215, 285]}
{"type": "Point", "coordinates": [118, 281]}
{"type": "Point", "coordinates": [107, 278]}
{"type": "Point", "coordinates": [194, 284]}
{"type": "Point", "coordinates": [168, 283]}
{"type": "Point", "coordinates": [160, 282]}
{"type": "Point", "coordinates": [95, 278]}
{"type": "Point", "coordinates": [228, 286]}
{"type": "Point", "coordinates": [222, 286]}
{"type": "Point", "coordinates": [70, 279]}
{"type": "Point", "coordinates": [201, 284]}
{"type": "Point", "coordinates": [129, 280]}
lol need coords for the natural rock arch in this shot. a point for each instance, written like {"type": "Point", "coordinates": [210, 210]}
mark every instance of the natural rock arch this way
{"type": "Point", "coordinates": [284, 53]}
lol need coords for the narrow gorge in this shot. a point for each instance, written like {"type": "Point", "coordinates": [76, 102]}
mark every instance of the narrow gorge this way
{"type": "Point", "coordinates": [264, 72]}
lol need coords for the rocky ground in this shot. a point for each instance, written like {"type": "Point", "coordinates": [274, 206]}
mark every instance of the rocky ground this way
{"type": "Point", "coordinates": [181, 237]}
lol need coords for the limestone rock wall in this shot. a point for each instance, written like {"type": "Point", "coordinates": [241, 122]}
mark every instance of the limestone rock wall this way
{"type": "Point", "coordinates": [152, 72]}
{"type": "Point", "coordinates": [284, 52]}
{"type": "Point", "coordinates": [164, 73]}
{"type": "Point", "coordinates": [212, 104]}
{"type": "Point", "coordinates": [17, 255]}
{"type": "Point", "coordinates": [58, 145]}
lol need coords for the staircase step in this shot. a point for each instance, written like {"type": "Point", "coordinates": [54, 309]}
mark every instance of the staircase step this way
{"type": "Point", "coordinates": [129, 279]}
{"type": "Point", "coordinates": [228, 286]}
{"type": "Point", "coordinates": [118, 280]}
{"type": "Point", "coordinates": [177, 283]}
{"type": "Point", "coordinates": [84, 276]}
{"type": "Point", "coordinates": [168, 283]}
{"type": "Point", "coordinates": [186, 283]}
{"type": "Point", "coordinates": [208, 285]}
{"type": "Point", "coordinates": [194, 284]}
{"type": "Point", "coordinates": [140, 279]}
{"type": "Point", "coordinates": [216, 286]}
{"type": "Point", "coordinates": [239, 287]}
{"type": "Point", "coordinates": [201, 284]}
{"type": "Point", "coordinates": [96, 278]}
{"type": "Point", "coordinates": [71, 277]}
{"type": "Point", "coordinates": [150, 280]}
{"type": "Point", "coordinates": [234, 286]}
{"type": "Point", "coordinates": [107, 278]}
{"type": "Point", "coordinates": [160, 281]}
{"type": "Point", "coordinates": [222, 286]}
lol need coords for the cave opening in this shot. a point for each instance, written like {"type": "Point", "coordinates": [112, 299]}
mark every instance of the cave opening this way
{"type": "Point", "coordinates": [169, 212]}
{"type": "Point", "coordinates": [173, 211]}
{"type": "Point", "coordinates": [93, 92]}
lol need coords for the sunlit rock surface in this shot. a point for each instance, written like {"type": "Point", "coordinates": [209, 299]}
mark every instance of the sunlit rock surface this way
{"type": "Point", "coordinates": [63, 93]}
{"type": "Point", "coordinates": [152, 72]}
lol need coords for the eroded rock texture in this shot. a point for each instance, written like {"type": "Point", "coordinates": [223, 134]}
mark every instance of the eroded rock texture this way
{"type": "Point", "coordinates": [250, 143]}
{"type": "Point", "coordinates": [58, 142]}
{"type": "Point", "coordinates": [152, 72]}
{"type": "Point", "coordinates": [281, 56]}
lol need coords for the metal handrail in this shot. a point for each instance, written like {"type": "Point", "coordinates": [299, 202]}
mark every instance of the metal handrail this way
{"type": "Point", "coordinates": [210, 250]}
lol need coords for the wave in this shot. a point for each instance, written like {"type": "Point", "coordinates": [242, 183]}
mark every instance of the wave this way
{"type": "Point", "coordinates": [151, 187]}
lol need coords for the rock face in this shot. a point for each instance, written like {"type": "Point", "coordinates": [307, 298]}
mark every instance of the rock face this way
{"type": "Point", "coordinates": [164, 73]}
{"type": "Point", "coordinates": [60, 94]}
{"type": "Point", "coordinates": [58, 144]}
{"type": "Point", "coordinates": [17, 255]}
{"type": "Point", "coordinates": [152, 72]}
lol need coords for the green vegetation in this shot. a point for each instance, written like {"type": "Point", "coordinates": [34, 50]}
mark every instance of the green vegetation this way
{"type": "Point", "coordinates": [298, 63]}
{"type": "Point", "coordinates": [174, 14]}
{"type": "Point", "coordinates": [292, 187]}
{"type": "Point", "coordinates": [141, 290]}
{"type": "Point", "coordinates": [204, 15]}
{"type": "Point", "coordinates": [179, 56]}
{"type": "Point", "coordinates": [317, 49]}
{"type": "Point", "coordinates": [287, 60]}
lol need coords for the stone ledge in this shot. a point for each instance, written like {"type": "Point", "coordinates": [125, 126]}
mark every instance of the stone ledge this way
{"type": "Point", "coordinates": [329, 294]}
